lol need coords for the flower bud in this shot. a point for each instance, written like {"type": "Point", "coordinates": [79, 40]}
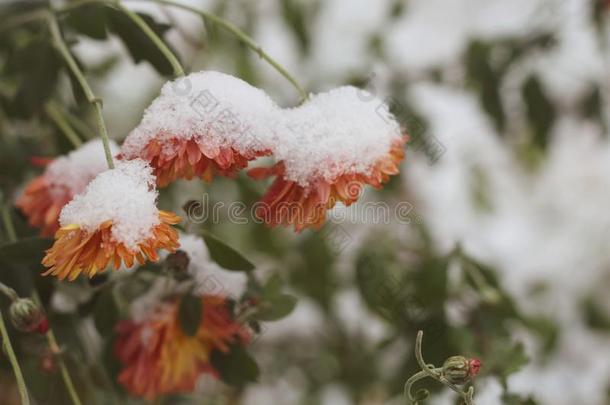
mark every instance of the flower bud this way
{"type": "Point", "coordinates": [459, 370]}
{"type": "Point", "coordinates": [27, 316]}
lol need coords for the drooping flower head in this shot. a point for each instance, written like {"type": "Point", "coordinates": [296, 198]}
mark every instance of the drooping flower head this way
{"type": "Point", "coordinates": [329, 148]}
{"type": "Point", "coordinates": [114, 221]}
{"type": "Point", "coordinates": [204, 124]}
{"type": "Point", "coordinates": [158, 358]}
{"type": "Point", "coordinates": [63, 178]}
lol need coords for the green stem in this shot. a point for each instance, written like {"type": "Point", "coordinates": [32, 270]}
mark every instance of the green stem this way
{"type": "Point", "coordinates": [80, 77]}
{"type": "Point", "coordinates": [178, 70]}
{"type": "Point", "coordinates": [9, 292]}
{"type": "Point", "coordinates": [414, 378]}
{"type": "Point", "coordinates": [52, 341]}
{"type": "Point", "coordinates": [62, 367]}
{"type": "Point", "coordinates": [8, 223]}
{"type": "Point", "coordinates": [8, 348]}
{"type": "Point", "coordinates": [56, 116]}
{"type": "Point", "coordinates": [242, 36]}
{"type": "Point", "coordinates": [428, 369]}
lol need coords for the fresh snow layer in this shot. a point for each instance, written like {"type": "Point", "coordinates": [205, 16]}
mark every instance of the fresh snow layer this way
{"type": "Point", "coordinates": [74, 171]}
{"type": "Point", "coordinates": [345, 130]}
{"type": "Point", "coordinates": [210, 278]}
{"type": "Point", "coordinates": [213, 108]}
{"type": "Point", "coordinates": [126, 195]}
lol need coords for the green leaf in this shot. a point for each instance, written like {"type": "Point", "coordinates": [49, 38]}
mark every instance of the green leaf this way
{"type": "Point", "coordinates": [140, 47]}
{"type": "Point", "coordinates": [105, 312]}
{"type": "Point", "coordinates": [89, 20]}
{"type": "Point", "coordinates": [274, 304]}
{"type": "Point", "coordinates": [236, 367]}
{"type": "Point", "coordinates": [39, 64]}
{"type": "Point", "coordinates": [190, 313]}
{"type": "Point", "coordinates": [540, 110]}
{"type": "Point", "coordinates": [505, 358]}
{"type": "Point", "coordinates": [225, 255]}
{"type": "Point", "coordinates": [276, 308]}
{"type": "Point", "coordinates": [29, 250]}
{"type": "Point", "coordinates": [314, 274]}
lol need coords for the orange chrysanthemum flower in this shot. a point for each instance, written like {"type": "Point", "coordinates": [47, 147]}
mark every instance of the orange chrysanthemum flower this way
{"type": "Point", "coordinates": [204, 124]}
{"type": "Point", "coordinates": [41, 206]}
{"type": "Point", "coordinates": [188, 159]}
{"type": "Point", "coordinates": [289, 203]}
{"type": "Point", "coordinates": [77, 251]}
{"type": "Point", "coordinates": [159, 358]}
{"type": "Point", "coordinates": [63, 178]}
{"type": "Point", "coordinates": [114, 221]}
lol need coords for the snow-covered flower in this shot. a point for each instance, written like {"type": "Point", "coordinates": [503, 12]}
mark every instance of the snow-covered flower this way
{"type": "Point", "coordinates": [204, 124]}
{"type": "Point", "coordinates": [65, 177]}
{"type": "Point", "coordinates": [331, 146]}
{"type": "Point", "coordinates": [114, 221]}
{"type": "Point", "coordinates": [158, 358]}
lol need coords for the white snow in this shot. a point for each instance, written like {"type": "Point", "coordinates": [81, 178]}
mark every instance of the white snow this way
{"type": "Point", "coordinates": [125, 195]}
{"type": "Point", "coordinates": [210, 278]}
{"type": "Point", "coordinates": [345, 130]}
{"type": "Point", "coordinates": [215, 109]}
{"type": "Point", "coordinates": [75, 170]}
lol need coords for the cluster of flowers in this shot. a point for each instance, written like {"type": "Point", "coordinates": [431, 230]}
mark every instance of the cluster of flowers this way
{"type": "Point", "coordinates": [203, 125]}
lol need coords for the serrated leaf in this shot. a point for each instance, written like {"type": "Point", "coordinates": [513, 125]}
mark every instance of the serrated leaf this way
{"type": "Point", "coordinates": [225, 255]}
{"type": "Point", "coordinates": [236, 367]}
{"type": "Point", "coordinates": [190, 313]}
{"type": "Point", "coordinates": [29, 250]}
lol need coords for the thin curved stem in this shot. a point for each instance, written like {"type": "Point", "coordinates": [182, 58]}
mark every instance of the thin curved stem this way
{"type": "Point", "coordinates": [178, 70]}
{"type": "Point", "coordinates": [414, 378]}
{"type": "Point", "coordinates": [242, 36]}
{"type": "Point", "coordinates": [8, 348]}
{"type": "Point", "coordinates": [55, 115]}
{"type": "Point", "coordinates": [428, 368]}
{"type": "Point", "coordinates": [61, 46]}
